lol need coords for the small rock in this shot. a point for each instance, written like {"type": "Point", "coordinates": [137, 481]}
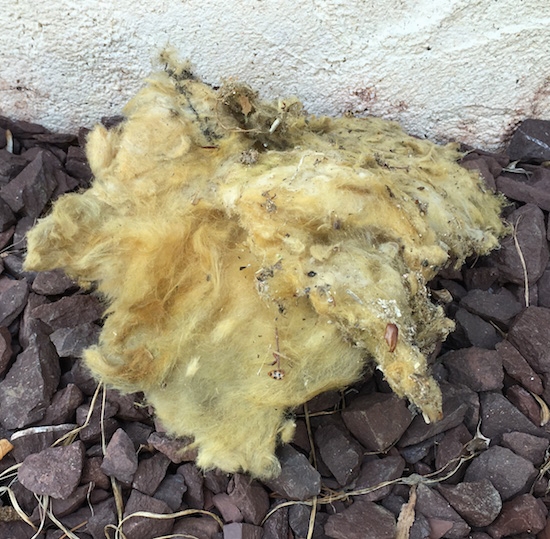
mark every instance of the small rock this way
{"type": "Point", "coordinates": [436, 508]}
{"type": "Point", "coordinates": [63, 406]}
{"type": "Point", "coordinates": [451, 447]}
{"type": "Point", "coordinates": [94, 428]}
{"type": "Point", "coordinates": [53, 283]}
{"type": "Point", "coordinates": [31, 189]}
{"type": "Point", "coordinates": [523, 191]}
{"type": "Point", "coordinates": [298, 479]}
{"type": "Point", "coordinates": [7, 218]}
{"type": "Point", "coordinates": [55, 472]}
{"type": "Point", "coordinates": [5, 349]}
{"type": "Point", "coordinates": [475, 330]}
{"type": "Point", "coordinates": [515, 366]}
{"type": "Point", "coordinates": [35, 439]}
{"type": "Point", "coordinates": [277, 525]}
{"type": "Point", "coordinates": [543, 288]}
{"type": "Point", "coordinates": [499, 415]}
{"type": "Point", "coordinates": [529, 334]}
{"type": "Point", "coordinates": [531, 141]}
{"type": "Point", "coordinates": [238, 530]}
{"type": "Point", "coordinates": [530, 233]}
{"type": "Point", "coordinates": [171, 491]}
{"type": "Point", "coordinates": [92, 473]}
{"type": "Point", "coordinates": [142, 527]}
{"type": "Point", "coordinates": [228, 510]}
{"type": "Point", "coordinates": [139, 433]}
{"type": "Point", "coordinates": [199, 527]}
{"type": "Point", "coordinates": [509, 473]}
{"type": "Point", "coordinates": [30, 383]}
{"type": "Point", "coordinates": [525, 403]}
{"type": "Point", "coordinates": [150, 472]}
{"type": "Point", "coordinates": [524, 514]}
{"type": "Point", "coordinates": [376, 472]}
{"type": "Point", "coordinates": [478, 503]}
{"type": "Point", "coordinates": [479, 369]}
{"type": "Point", "coordinates": [299, 517]}
{"type": "Point", "coordinates": [413, 454]}
{"type": "Point", "coordinates": [77, 164]}
{"type": "Point", "coordinates": [68, 505]}
{"type": "Point", "coordinates": [363, 520]}
{"type": "Point", "coordinates": [104, 514]}
{"type": "Point", "coordinates": [481, 166]}
{"type": "Point", "coordinates": [216, 481]}
{"type": "Point", "coordinates": [176, 449]}
{"type": "Point", "coordinates": [13, 297]}
{"type": "Point", "coordinates": [340, 452]}
{"type": "Point", "coordinates": [454, 410]}
{"type": "Point", "coordinates": [70, 342]}
{"type": "Point", "coordinates": [482, 278]}
{"type": "Point", "coordinates": [527, 446]}
{"type": "Point", "coordinates": [128, 405]}
{"type": "Point", "coordinates": [194, 495]}
{"type": "Point", "coordinates": [499, 307]}
{"type": "Point", "coordinates": [250, 497]}
{"type": "Point", "coordinates": [69, 311]}
{"type": "Point", "coordinates": [377, 420]}
{"type": "Point", "coordinates": [120, 459]}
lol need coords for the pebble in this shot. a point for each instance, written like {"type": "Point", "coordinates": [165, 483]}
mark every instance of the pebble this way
{"type": "Point", "coordinates": [524, 514]}
{"type": "Point", "coordinates": [71, 341]}
{"type": "Point", "coordinates": [176, 449]}
{"type": "Point", "coordinates": [104, 514]}
{"type": "Point", "coordinates": [13, 298]}
{"type": "Point", "coordinates": [150, 472]}
{"type": "Point", "coordinates": [474, 331]}
{"type": "Point", "coordinates": [527, 446]}
{"type": "Point", "coordinates": [517, 367]}
{"type": "Point", "coordinates": [340, 452]}
{"type": "Point", "coordinates": [362, 520]}
{"type": "Point", "coordinates": [53, 283]}
{"type": "Point", "coordinates": [199, 527]}
{"type": "Point", "coordinates": [478, 502]}
{"type": "Point", "coordinates": [35, 439]}
{"type": "Point", "coordinates": [194, 481]}
{"type": "Point", "coordinates": [143, 527]}
{"type": "Point", "coordinates": [529, 334]}
{"type": "Point", "coordinates": [55, 471]}
{"type": "Point", "coordinates": [530, 231]}
{"type": "Point", "coordinates": [5, 349]}
{"type": "Point", "coordinates": [366, 419]}
{"type": "Point", "coordinates": [30, 191]}
{"type": "Point", "coordinates": [298, 479]}
{"type": "Point", "coordinates": [436, 508]}
{"type": "Point", "coordinates": [479, 369]}
{"type": "Point", "coordinates": [525, 403]}
{"type": "Point", "coordinates": [250, 497]}
{"type": "Point", "coordinates": [63, 406]}
{"type": "Point", "coordinates": [242, 530]}
{"type": "Point", "coordinates": [451, 447]}
{"type": "Point", "coordinates": [171, 490]}
{"type": "Point", "coordinates": [378, 471]}
{"type": "Point", "coordinates": [69, 311]}
{"type": "Point", "coordinates": [30, 383]}
{"type": "Point", "coordinates": [509, 473]}
{"type": "Point", "coordinates": [499, 415]}
{"type": "Point", "coordinates": [531, 141]}
{"type": "Point", "coordinates": [120, 459]}
{"type": "Point", "coordinates": [499, 307]}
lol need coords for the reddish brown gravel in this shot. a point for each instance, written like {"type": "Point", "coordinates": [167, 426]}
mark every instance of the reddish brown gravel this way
{"type": "Point", "coordinates": [375, 470]}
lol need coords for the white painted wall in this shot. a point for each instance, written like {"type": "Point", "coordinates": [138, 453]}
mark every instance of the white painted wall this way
{"type": "Point", "coordinates": [467, 70]}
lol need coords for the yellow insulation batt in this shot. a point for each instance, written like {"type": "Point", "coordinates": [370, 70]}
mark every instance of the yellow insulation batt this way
{"type": "Point", "coordinates": [252, 256]}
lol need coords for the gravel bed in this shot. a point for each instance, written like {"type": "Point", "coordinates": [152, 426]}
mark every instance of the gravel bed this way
{"type": "Point", "coordinates": [78, 460]}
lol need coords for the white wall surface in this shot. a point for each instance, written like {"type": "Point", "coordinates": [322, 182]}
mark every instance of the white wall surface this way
{"type": "Point", "coordinates": [465, 70]}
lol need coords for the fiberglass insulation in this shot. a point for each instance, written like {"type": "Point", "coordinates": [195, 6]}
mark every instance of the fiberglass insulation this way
{"type": "Point", "coordinates": [252, 256]}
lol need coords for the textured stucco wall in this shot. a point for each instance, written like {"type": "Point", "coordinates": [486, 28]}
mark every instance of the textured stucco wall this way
{"type": "Point", "coordinates": [446, 69]}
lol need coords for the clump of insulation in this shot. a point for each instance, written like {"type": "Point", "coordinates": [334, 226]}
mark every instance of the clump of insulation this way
{"type": "Point", "coordinates": [252, 256]}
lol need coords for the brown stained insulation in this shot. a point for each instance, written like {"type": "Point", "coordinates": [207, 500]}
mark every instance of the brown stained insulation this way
{"type": "Point", "coordinates": [252, 256]}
